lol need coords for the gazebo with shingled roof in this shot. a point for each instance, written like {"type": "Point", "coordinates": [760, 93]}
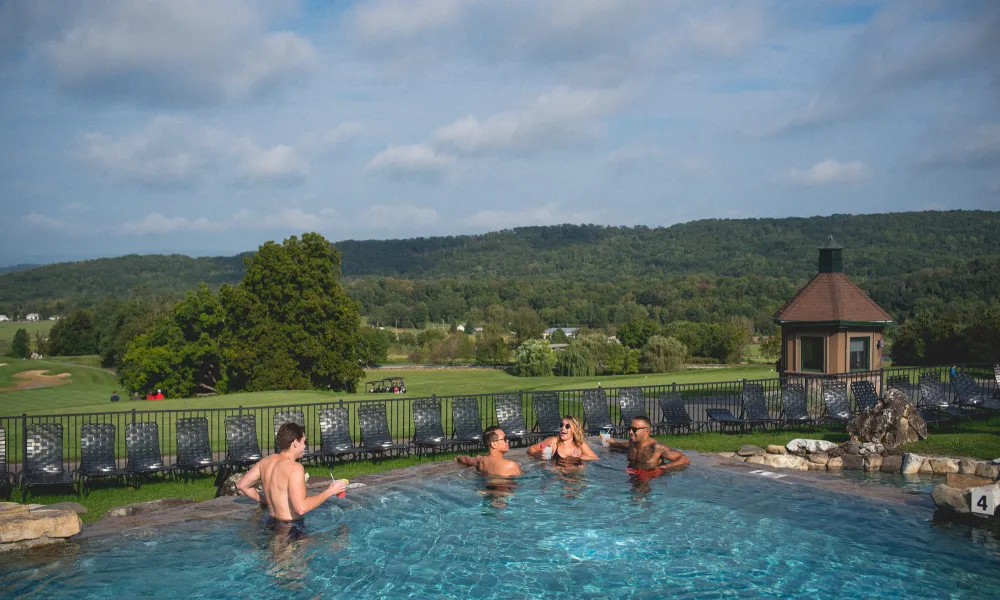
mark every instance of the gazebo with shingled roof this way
{"type": "Point", "coordinates": [831, 325]}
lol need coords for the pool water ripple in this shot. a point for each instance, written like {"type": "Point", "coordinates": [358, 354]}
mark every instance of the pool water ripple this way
{"type": "Point", "coordinates": [702, 533]}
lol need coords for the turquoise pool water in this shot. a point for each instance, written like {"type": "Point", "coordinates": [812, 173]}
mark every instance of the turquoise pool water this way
{"type": "Point", "coordinates": [703, 533]}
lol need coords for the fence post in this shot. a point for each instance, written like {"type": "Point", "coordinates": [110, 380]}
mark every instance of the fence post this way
{"type": "Point", "coordinates": [881, 383]}
{"type": "Point", "coordinates": [133, 415]}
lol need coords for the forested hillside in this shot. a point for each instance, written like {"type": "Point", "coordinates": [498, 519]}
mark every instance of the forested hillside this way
{"type": "Point", "coordinates": [590, 275]}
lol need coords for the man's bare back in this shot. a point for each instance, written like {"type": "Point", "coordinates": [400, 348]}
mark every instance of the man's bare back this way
{"type": "Point", "coordinates": [493, 464]}
{"type": "Point", "coordinates": [497, 466]}
{"type": "Point", "coordinates": [284, 482]}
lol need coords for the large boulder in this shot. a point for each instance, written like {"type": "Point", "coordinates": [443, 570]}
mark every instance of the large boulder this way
{"type": "Point", "coordinates": [785, 461]}
{"type": "Point", "coordinates": [21, 528]}
{"type": "Point", "coordinates": [802, 445]}
{"type": "Point", "coordinates": [892, 422]}
{"type": "Point", "coordinates": [750, 450]}
{"type": "Point", "coordinates": [952, 500]}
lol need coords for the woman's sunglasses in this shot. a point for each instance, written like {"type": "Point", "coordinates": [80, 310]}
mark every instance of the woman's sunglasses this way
{"type": "Point", "coordinates": [567, 426]}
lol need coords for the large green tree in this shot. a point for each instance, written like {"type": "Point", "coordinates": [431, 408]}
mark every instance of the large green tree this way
{"type": "Point", "coordinates": [20, 347]}
{"type": "Point", "coordinates": [293, 326]}
{"type": "Point", "coordinates": [76, 335]}
{"type": "Point", "coordinates": [663, 355]}
{"type": "Point", "coordinates": [534, 358]}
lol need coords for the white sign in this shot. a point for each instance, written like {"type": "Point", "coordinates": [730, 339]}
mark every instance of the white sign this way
{"type": "Point", "coordinates": [985, 499]}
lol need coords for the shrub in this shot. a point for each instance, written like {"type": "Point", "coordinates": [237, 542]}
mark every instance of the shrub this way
{"type": "Point", "coordinates": [534, 358]}
{"type": "Point", "coordinates": [663, 354]}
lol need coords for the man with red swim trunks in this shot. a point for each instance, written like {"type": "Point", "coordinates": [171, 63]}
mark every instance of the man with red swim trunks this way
{"type": "Point", "coordinates": [646, 456]}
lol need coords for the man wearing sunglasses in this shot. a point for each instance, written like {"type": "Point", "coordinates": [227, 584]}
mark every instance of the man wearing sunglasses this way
{"type": "Point", "coordinates": [645, 453]}
{"type": "Point", "coordinates": [493, 464]}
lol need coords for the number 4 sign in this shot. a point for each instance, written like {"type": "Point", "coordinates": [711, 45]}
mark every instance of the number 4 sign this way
{"type": "Point", "coordinates": [985, 499]}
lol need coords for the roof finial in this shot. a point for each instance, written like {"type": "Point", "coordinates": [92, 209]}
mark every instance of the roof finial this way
{"type": "Point", "coordinates": [831, 244]}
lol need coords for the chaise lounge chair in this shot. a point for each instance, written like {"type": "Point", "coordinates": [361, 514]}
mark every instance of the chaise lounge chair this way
{"type": "Point", "coordinates": [596, 414]}
{"type": "Point", "coordinates": [428, 431]}
{"type": "Point", "coordinates": [335, 434]}
{"type": "Point", "coordinates": [510, 418]}
{"type": "Point", "coordinates": [6, 477]}
{"type": "Point", "coordinates": [934, 397]}
{"type": "Point", "coordinates": [548, 417]}
{"type": "Point", "coordinates": [299, 418]}
{"type": "Point", "coordinates": [194, 449]}
{"type": "Point", "coordinates": [902, 384]}
{"type": "Point", "coordinates": [755, 407]}
{"type": "Point", "coordinates": [242, 447]}
{"type": "Point", "coordinates": [142, 448]}
{"type": "Point", "coordinates": [631, 404]}
{"type": "Point", "coordinates": [864, 394]}
{"type": "Point", "coordinates": [838, 407]}
{"type": "Point", "coordinates": [970, 394]}
{"type": "Point", "coordinates": [675, 417]}
{"type": "Point", "coordinates": [43, 458]}
{"type": "Point", "coordinates": [466, 423]}
{"type": "Point", "coordinates": [375, 436]}
{"type": "Point", "coordinates": [97, 455]}
{"type": "Point", "coordinates": [793, 405]}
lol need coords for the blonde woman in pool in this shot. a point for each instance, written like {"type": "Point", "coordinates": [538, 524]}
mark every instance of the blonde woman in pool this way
{"type": "Point", "coordinates": [567, 446]}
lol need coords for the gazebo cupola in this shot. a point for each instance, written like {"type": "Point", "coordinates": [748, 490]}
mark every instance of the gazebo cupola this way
{"type": "Point", "coordinates": [831, 325]}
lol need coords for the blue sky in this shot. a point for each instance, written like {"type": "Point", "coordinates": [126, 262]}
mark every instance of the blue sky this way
{"type": "Point", "coordinates": [208, 128]}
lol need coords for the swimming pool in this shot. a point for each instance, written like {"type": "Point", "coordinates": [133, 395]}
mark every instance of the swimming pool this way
{"type": "Point", "coordinates": [702, 533]}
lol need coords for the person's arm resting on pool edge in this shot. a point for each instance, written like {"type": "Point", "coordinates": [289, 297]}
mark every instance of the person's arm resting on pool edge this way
{"type": "Point", "coordinates": [468, 461]}
{"type": "Point", "coordinates": [617, 444]}
{"type": "Point", "coordinates": [677, 459]}
{"type": "Point", "coordinates": [298, 501]}
{"type": "Point", "coordinates": [248, 484]}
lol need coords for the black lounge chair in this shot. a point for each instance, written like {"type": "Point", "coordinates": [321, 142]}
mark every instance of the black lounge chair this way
{"type": "Point", "coordinates": [596, 414]}
{"type": "Point", "coordinates": [996, 376]}
{"type": "Point", "coordinates": [902, 384]}
{"type": "Point", "coordinates": [511, 419]}
{"type": "Point", "coordinates": [335, 434]}
{"type": "Point", "coordinates": [793, 405]}
{"type": "Point", "coordinates": [970, 394]}
{"type": "Point", "coordinates": [242, 446]}
{"type": "Point", "coordinates": [97, 455]}
{"type": "Point", "coordinates": [375, 437]}
{"type": "Point", "coordinates": [755, 407]}
{"type": "Point", "coordinates": [6, 477]}
{"type": "Point", "coordinates": [548, 417]}
{"type": "Point", "coordinates": [466, 424]}
{"type": "Point", "coordinates": [726, 419]}
{"type": "Point", "coordinates": [838, 407]}
{"type": "Point", "coordinates": [43, 458]}
{"type": "Point", "coordinates": [632, 404]}
{"type": "Point", "coordinates": [864, 395]}
{"type": "Point", "coordinates": [428, 430]}
{"type": "Point", "coordinates": [292, 416]}
{"type": "Point", "coordinates": [675, 416]}
{"type": "Point", "coordinates": [934, 397]}
{"type": "Point", "coordinates": [142, 449]}
{"type": "Point", "coordinates": [194, 449]}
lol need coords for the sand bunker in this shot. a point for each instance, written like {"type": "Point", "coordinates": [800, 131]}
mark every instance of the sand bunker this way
{"type": "Point", "coordinates": [37, 379]}
{"type": "Point", "coordinates": [3, 364]}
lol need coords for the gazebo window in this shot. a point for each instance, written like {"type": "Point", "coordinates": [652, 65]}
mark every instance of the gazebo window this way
{"type": "Point", "coordinates": [812, 353]}
{"type": "Point", "coordinates": [860, 360]}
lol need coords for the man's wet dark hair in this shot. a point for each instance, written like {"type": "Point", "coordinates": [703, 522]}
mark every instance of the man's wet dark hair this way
{"type": "Point", "coordinates": [490, 435]}
{"type": "Point", "coordinates": [644, 419]}
{"type": "Point", "coordinates": [288, 433]}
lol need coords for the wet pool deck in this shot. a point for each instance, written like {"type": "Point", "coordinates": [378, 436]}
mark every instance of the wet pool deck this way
{"type": "Point", "coordinates": [242, 508]}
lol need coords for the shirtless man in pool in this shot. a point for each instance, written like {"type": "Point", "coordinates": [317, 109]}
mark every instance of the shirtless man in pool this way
{"type": "Point", "coordinates": [493, 464]}
{"type": "Point", "coordinates": [645, 453]}
{"type": "Point", "coordinates": [284, 481]}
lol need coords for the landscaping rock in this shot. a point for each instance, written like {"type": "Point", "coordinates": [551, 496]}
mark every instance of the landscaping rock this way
{"type": "Point", "coordinates": [926, 469]}
{"type": "Point", "coordinates": [892, 422]}
{"type": "Point", "coordinates": [892, 464]}
{"type": "Point", "coordinates": [750, 450]}
{"type": "Point", "coordinates": [726, 454]}
{"type": "Point", "coordinates": [836, 463]}
{"type": "Point", "coordinates": [142, 508]}
{"type": "Point", "coordinates": [951, 499]}
{"type": "Point", "coordinates": [756, 460]}
{"type": "Point", "coordinates": [871, 448]}
{"type": "Point", "coordinates": [911, 464]}
{"type": "Point", "coordinates": [942, 466]}
{"type": "Point", "coordinates": [967, 466]}
{"type": "Point", "coordinates": [21, 528]}
{"type": "Point", "coordinates": [820, 458]}
{"type": "Point", "coordinates": [990, 470]}
{"type": "Point", "coordinates": [873, 462]}
{"type": "Point", "coordinates": [853, 462]}
{"type": "Point", "coordinates": [799, 444]}
{"type": "Point", "coordinates": [851, 447]}
{"type": "Point", "coordinates": [815, 466]}
{"type": "Point", "coordinates": [73, 506]}
{"type": "Point", "coordinates": [964, 481]}
{"type": "Point", "coordinates": [836, 452]}
{"type": "Point", "coordinates": [776, 449]}
{"type": "Point", "coordinates": [785, 461]}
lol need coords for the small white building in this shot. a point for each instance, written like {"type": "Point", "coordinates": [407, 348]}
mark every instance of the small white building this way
{"type": "Point", "coordinates": [31, 317]}
{"type": "Point", "coordinates": [4, 318]}
{"type": "Point", "coordinates": [55, 318]}
{"type": "Point", "coordinates": [460, 328]}
{"type": "Point", "coordinates": [569, 331]}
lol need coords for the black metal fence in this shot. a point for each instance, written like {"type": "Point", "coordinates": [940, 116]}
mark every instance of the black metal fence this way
{"type": "Point", "coordinates": [697, 398]}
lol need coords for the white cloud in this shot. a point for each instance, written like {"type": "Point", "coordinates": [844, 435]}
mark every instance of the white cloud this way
{"type": "Point", "coordinates": [387, 20]}
{"type": "Point", "coordinates": [280, 165]}
{"type": "Point", "coordinates": [180, 53]}
{"type": "Point", "coordinates": [286, 219]}
{"type": "Point", "coordinates": [416, 161]}
{"type": "Point", "coordinates": [332, 138]}
{"type": "Point", "coordinates": [978, 148]}
{"type": "Point", "coordinates": [400, 215]}
{"type": "Point", "coordinates": [549, 214]}
{"type": "Point", "coordinates": [558, 117]}
{"type": "Point", "coordinates": [46, 222]}
{"type": "Point", "coordinates": [826, 172]}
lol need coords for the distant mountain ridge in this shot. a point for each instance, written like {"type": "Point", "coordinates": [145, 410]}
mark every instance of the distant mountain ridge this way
{"type": "Point", "coordinates": [878, 246]}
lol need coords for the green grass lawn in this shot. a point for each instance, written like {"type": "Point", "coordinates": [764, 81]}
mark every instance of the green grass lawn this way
{"type": "Point", "coordinates": [9, 328]}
